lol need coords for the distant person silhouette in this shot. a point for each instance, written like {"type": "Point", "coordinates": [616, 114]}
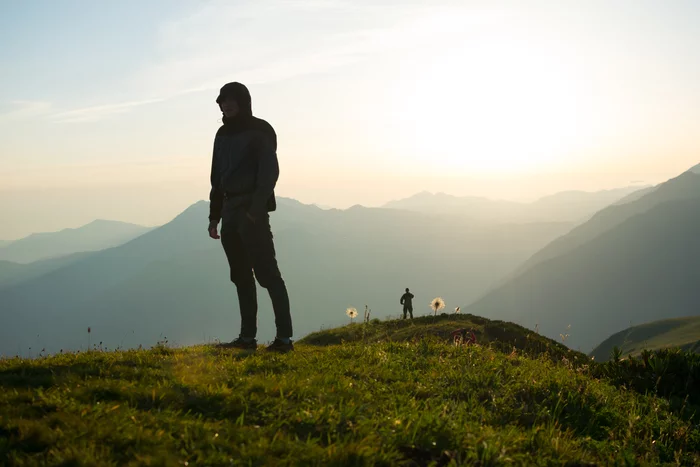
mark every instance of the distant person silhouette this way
{"type": "Point", "coordinates": [244, 172]}
{"type": "Point", "coordinates": [407, 302]}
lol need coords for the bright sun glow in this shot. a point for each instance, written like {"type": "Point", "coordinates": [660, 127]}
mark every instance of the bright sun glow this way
{"type": "Point", "coordinates": [495, 105]}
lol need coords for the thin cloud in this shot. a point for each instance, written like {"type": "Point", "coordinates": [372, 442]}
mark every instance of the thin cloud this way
{"type": "Point", "coordinates": [289, 39]}
{"type": "Point", "coordinates": [94, 113]}
{"type": "Point", "coordinates": [24, 109]}
{"type": "Point", "coordinates": [267, 41]}
{"type": "Point", "coordinates": [98, 112]}
{"type": "Point", "coordinates": [255, 43]}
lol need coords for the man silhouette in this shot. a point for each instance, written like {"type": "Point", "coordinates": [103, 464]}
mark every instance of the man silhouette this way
{"type": "Point", "coordinates": [407, 302]}
{"type": "Point", "coordinates": [244, 173]}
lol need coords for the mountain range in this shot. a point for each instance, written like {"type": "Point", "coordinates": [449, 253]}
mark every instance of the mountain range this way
{"type": "Point", "coordinates": [634, 261]}
{"type": "Point", "coordinates": [173, 280]}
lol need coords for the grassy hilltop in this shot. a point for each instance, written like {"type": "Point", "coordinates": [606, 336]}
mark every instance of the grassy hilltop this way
{"type": "Point", "coordinates": [384, 393]}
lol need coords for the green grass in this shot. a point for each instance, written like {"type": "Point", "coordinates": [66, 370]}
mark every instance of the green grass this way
{"type": "Point", "coordinates": [367, 401]}
{"type": "Point", "coordinates": [498, 335]}
{"type": "Point", "coordinates": [678, 332]}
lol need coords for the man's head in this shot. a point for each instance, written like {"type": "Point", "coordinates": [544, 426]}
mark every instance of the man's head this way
{"type": "Point", "coordinates": [406, 289]}
{"type": "Point", "coordinates": [234, 100]}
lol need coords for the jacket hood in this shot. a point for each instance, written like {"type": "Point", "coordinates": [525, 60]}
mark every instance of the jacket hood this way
{"type": "Point", "coordinates": [240, 94]}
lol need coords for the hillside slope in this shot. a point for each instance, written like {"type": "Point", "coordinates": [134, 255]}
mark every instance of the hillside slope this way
{"type": "Point", "coordinates": [15, 273]}
{"type": "Point", "coordinates": [685, 186]}
{"type": "Point", "coordinates": [678, 332]}
{"type": "Point", "coordinates": [384, 403]}
{"type": "Point", "coordinates": [643, 270]}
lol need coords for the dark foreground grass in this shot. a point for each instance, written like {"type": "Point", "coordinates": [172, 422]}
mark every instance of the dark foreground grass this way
{"type": "Point", "coordinates": [387, 403]}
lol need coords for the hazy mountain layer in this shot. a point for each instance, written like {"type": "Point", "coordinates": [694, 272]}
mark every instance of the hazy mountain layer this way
{"type": "Point", "coordinates": [569, 206]}
{"type": "Point", "coordinates": [15, 273]}
{"type": "Point", "coordinates": [97, 235]}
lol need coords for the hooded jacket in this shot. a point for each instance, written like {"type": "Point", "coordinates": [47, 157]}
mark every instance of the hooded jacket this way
{"type": "Point", "coordinates": [244, 167]}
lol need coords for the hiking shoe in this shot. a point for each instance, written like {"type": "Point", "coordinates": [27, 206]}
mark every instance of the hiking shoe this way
{"type": "Point", "coordinates": [239, 343]}
{"type": "Point", "coordinates": [280, 346]}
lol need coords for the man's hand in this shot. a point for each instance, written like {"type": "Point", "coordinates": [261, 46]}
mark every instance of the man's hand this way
{"type": "Point", "coordinates": [214, 230]}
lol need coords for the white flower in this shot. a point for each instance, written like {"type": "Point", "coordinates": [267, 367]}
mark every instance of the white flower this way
{"type": "Point", "coordinates": [351, 312]}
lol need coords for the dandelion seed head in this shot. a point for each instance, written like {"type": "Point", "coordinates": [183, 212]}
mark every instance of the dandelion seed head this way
{"type": "Point", "coordinates": [437, 304]}
{"type": "Point", "coordinates": [351, 312]}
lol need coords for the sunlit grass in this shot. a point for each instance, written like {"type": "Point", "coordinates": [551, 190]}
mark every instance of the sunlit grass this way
{"type": "Point", "coordinates": [359, 403]}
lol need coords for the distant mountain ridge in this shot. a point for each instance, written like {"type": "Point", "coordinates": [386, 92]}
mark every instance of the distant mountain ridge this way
{"type": "Point", "coordinates": [568, 206]}
{"type": "Point", "coordinates": [97, 235]}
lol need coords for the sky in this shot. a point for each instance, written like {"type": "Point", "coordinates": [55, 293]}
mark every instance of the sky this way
{"type": "Point", "coordinates": [107, 109]}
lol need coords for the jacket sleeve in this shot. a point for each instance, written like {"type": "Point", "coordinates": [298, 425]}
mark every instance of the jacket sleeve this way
{"type": "Point", "coordinates": [216, 196]}
{"type": "Point", "coordinates": [268, 173]}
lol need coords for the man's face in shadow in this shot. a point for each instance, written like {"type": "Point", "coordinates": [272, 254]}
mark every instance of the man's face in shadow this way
{"type": "Point", "coordinates": [229, 106]}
